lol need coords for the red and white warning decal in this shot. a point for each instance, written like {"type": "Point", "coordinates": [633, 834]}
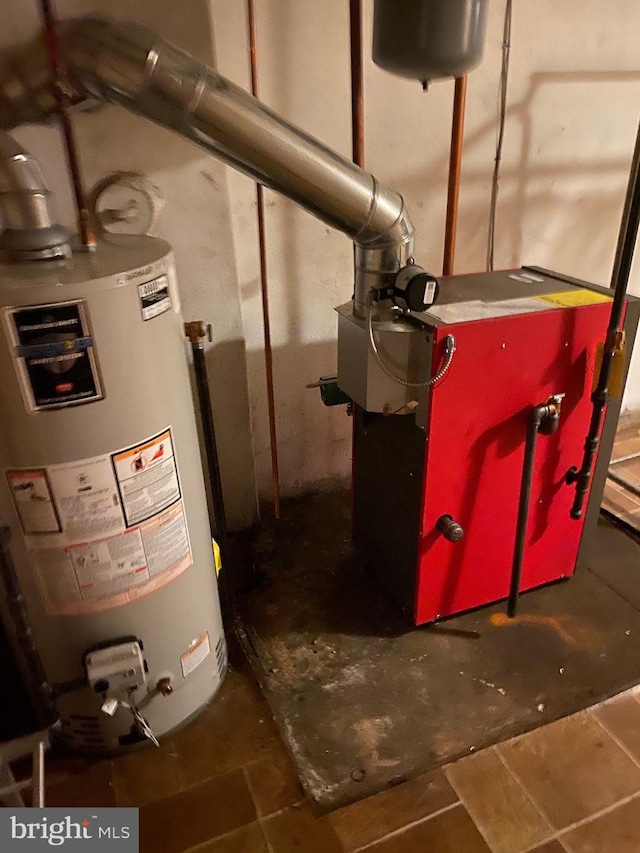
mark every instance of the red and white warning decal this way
{"type": "Point", "coordinates": [105, 531]}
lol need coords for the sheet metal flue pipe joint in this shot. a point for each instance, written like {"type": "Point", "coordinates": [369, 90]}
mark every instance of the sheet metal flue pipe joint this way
{"type": "Point", "coordinates": [29, 232]}
{"type": "Point", "coordinates": [125, 63]}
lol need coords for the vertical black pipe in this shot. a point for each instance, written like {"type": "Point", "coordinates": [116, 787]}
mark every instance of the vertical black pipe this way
{"type": "Point", "coordinates": [38, 686]}
{"type": "Point", "coordinates": [619, 281]}
{"type": "Point", "coordinates": [195, 332]}
{"type": "Point", "coordinates": [533, 425]}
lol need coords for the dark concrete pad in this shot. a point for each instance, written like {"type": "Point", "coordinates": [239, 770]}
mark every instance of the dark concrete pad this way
{"type": "Point", "coordinates": [365, 701]}
{"type": "Point", "coordinates": [615, 559]}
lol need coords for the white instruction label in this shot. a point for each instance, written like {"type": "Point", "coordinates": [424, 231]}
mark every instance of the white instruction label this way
{"type": "Point", "coordinates": [87, 497]}
{"type": "Point", "coordinates": [166, 542]}
{"type": "Point", "coordinates": [465, 312]}
{"type": "Point", "coordinates": [196, 654]}
{"type": "Point", "coordinates": [108, 566]}
{"type": "Point", "coordinates": [154, 297]}
{"type": "Point", "coordinates": [147, 477]}
{"type": "Point", "coordinates": [110, 529]}
{"type": "Point", "coordinates": [33, 501]}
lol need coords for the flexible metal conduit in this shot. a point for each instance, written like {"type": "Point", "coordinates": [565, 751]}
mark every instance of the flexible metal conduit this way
{"type": "Point", "coordinates": [128, 64]}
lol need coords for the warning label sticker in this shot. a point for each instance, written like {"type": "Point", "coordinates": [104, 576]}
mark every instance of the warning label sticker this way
{"type": "Point", "coordinates": [110, 529]}
{"type": "Point", "coordinates": [197, 653]}
{"type": "Point", "coordinates": [166, 542]}
{"type": "Point", "coordinates": [33, 501]}
{"type": "Point", "coordinates": [147, 477]}
{"type": "Point", "coordinates": [154, 297]}
{"type": "Point", "coordinates": [465, 312]}
{"type": "Point", "coordinates": [87, 498]}
{"type": "Point", "coordinates": [575, 298]}
{"type": "Point", "coordinates": [109, 565]}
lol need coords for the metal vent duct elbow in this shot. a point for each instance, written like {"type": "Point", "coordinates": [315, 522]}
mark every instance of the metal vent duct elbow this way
{"type": "Point", "coordinates": [28, 229]}
{"type": "Point", "coordinates": [128, 64]}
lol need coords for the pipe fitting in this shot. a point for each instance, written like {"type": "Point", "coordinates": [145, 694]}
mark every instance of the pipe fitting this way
{"type": "Point", "coordinates": [164, 686]}
{"type": "Point", "coordinates": [550, 415]}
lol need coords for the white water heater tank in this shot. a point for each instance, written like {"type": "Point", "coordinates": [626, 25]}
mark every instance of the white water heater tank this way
{"type": "Point", "coordinates": [101, 483]}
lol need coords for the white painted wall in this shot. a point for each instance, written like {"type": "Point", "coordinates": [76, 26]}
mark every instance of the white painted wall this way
{"type": "Point", "coordinates": [574, 101]}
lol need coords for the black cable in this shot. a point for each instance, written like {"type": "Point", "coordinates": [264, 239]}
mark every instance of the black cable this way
{"type": "Point", "coordinates": [502, 113]}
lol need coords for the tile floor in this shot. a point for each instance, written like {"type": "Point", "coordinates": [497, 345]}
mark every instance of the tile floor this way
{"type": "Point", "coordinates": [617, 499]}
{"type": "Point", "coordinates": [226, 785]}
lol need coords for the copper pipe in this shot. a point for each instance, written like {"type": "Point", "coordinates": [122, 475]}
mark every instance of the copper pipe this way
{"type": "Point", "coordinates": [264, 282]}
{"type": "Point", "coordinates": [357, 89]}
{"type": "Point", "coordinates": [455, 162]}
{"type": "Point", "coordinates": [62, 100]}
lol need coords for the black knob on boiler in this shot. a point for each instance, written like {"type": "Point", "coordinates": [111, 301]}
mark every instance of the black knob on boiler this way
{"type": "Point", "coordinates": [449, 528]}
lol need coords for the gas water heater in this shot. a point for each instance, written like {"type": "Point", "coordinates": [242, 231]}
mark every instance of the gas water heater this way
{"type": "Point", "coordinates": [101, 476]}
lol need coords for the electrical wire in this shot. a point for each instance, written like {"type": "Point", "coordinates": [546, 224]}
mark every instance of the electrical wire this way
{"type": "Point", "coordinates": [502, 112]}
{"type": "Point", "coordinates": [450, 348]}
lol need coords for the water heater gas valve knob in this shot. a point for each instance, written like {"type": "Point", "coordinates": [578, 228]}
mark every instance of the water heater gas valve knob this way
{"type": "Point", "coordinates": [116, 669]}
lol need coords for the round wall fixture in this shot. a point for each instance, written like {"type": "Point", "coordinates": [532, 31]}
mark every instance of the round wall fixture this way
{"type": "Point", "coordinates": [125, 203]}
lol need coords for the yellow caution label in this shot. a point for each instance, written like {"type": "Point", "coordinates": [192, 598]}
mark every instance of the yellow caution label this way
{"type": "Point", "coordinates": [575, 298]}
{"type": "Point", "coordinates": [617, 370]}
{"type": "Point", "coordinates": [217, 559]}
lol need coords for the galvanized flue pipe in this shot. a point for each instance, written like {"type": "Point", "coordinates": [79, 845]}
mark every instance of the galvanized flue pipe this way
{"type": "Point", "coordinates": [128, 64]}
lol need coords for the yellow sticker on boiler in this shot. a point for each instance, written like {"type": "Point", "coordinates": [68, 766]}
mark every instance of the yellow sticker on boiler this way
{"type": "Point", "coordinates": [575, 298]}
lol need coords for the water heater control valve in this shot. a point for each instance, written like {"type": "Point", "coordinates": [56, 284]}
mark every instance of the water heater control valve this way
{"type": "Point", "coordinates": [415, 289]}
{"type": "Point", "coordinates": [116, 669]}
